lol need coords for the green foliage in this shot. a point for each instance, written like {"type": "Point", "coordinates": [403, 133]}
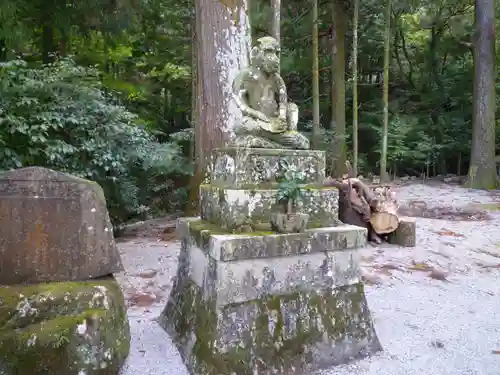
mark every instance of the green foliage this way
{"type": "Point", "coordinates": [59, 116]}
{"type": "Point", "coordinates": [291, 186]}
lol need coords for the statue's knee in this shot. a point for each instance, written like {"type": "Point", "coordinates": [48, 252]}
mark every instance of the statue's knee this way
{"type": "Point", "coordinates": [292, 107]}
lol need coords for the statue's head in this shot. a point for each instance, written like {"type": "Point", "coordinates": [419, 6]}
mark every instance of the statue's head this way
{"type": "Point", "coordinates": [265, 55]}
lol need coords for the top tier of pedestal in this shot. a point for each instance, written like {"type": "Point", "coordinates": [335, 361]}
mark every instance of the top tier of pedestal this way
{"type": "Point", "coordinates": [246, 167]}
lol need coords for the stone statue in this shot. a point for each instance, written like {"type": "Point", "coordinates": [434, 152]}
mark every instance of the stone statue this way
{"type": "Point", "coordinates": [269, 121]}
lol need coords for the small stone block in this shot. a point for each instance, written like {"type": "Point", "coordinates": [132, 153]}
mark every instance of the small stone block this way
{"type": "Point", "coordinates": [242, 166]}
{"type": "Point", "coordinates": [405, 234]}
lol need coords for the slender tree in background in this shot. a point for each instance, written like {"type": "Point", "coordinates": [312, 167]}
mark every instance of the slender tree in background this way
{"type": "Point", "coordinates": [315, 77]}
{"type": "Point", "coordinates": [355, 87]}
{"type": "Point", "coordinates": [276, 20]}
{"type": "Point", "coordinates": [196, 94]}
{"type": "Point", "coordinates": [387, 45]}
{"type": "Point", "coordinates": [482, 174]}
{"type": "Point", "coordinates": [338, 87]}
{"type": "Point", "coordinates": [223, 44]}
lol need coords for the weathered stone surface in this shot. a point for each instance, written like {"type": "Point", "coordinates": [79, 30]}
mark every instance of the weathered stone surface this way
{"type": "Point", "coordinates": [234, 208]}
{"type": "Point", "coordinates": [248, 167]}
{"type": "Point", "coordinates": [290, 315]}
{"type": "Point", "coordinates": [53, 227]}
{"type": "Point", "coordinates": [269, 120]}
{"type": "Point", "coordinates": [255, 245]}
{"type": "Point", "coordinates": [67, 328]}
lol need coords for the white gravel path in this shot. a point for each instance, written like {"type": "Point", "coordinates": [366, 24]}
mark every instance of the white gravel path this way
{"type": "Point", "coordinates": [427, 326]}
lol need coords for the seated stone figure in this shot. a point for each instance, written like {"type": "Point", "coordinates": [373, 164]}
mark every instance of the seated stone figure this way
{"type": "Point", "coordinates": [269, 121]}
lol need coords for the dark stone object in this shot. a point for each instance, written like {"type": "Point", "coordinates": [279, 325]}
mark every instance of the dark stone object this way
{"type": "Point", "coordinates": [53, 227]}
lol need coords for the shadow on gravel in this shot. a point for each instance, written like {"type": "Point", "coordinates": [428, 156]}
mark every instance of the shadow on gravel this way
{"type": "Point", "coordinates": [420, 209]}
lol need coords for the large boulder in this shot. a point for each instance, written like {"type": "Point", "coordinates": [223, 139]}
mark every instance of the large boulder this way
{"type": "Point", "coordinates": [53, 227]}
{"type": "Point", "coordinates": [65, 328]}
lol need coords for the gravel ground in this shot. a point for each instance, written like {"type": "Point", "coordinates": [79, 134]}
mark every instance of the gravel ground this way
{"type": "Point", "coordinates": [436, 307]}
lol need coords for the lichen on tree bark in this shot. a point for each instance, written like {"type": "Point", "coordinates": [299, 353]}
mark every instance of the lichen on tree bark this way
{"type": "Point", "coordinates": [482, 173]}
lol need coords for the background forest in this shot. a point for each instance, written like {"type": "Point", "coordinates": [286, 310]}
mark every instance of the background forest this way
{"type": "Point", "coordinates": [102, 88]}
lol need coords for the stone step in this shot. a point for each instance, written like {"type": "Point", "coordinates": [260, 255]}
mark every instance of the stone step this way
{"type": "Point", "coordinates": [248, 167]}
{"type": "Point", "coordinates": [226, 247]}
{"type": "Point", "coordinates": [233, 209]}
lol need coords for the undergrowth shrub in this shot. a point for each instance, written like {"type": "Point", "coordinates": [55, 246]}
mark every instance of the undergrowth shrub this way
{"type": "Point", "coordinates": [58, 116]}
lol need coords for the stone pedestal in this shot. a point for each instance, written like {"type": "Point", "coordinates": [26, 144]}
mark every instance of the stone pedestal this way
{"type": "Point", "coordinates": [262, 302]}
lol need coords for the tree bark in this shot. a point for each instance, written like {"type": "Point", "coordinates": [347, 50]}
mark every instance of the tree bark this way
{"type": "Point", "coordinates": [196, 101]}
{"type": "Point", "coordinates": [361, 205]}
{"type": "Point", "coordinates": [387, 45]}
{"type": "Point", "coordinates": [224, 48]}
{"type": "Point", "coordinates": [315, 77]}
{"type": "Point", "coordinates": [223, 44]}
{"type": "Point", "coordinates": [482, 174]}
{"type": "Point", "coordinates": [338, 87]}
{"type": "Point", "coordinates": [355, 88]}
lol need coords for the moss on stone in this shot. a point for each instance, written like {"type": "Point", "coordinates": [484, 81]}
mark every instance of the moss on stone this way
{"type": "Point", "coordinates": [22, 305]}
{"type": "Point", "coordinates": [335, 314]}
{"type": "Point", "coordinates": [201, 229]}
{"type": "Point", "coordinates": [38, 328]}
{"type": "Point", "coordinates": [263, 186]}
{"type": "Point", "coordinates": [269, 152]}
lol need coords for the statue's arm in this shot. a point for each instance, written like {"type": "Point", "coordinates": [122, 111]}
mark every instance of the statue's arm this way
{"type": "Point", "coordinates": [282, 95]}
{"type": "Point", "coordinates": [239, 92]}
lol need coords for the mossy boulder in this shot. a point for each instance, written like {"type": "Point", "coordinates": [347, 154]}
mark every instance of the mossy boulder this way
{"type": "Point", "coordinates": [64, 328]}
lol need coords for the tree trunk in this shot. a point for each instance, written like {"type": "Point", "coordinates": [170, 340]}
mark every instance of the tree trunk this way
{"type": "Point", "coordinates": [338, 87]}
{"type": "Point", "coordinates": [224, 48]}
{"type": "Point", "coordinates": [223, 45]}
{"type": "Point", "coordinates": [276, 20]}
{"type": "Point", "coordinates": [387, 45]}
{"type": "Point", "coordinates": [196, 100]}
{"type": "Point", "coordinates": [482, 174]}
{"type": "Point", "coordinates": [355, 87]}
{"type": "Point", "coordinates": [315, 77]}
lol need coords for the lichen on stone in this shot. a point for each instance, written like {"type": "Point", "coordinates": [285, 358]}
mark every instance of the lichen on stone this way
{"type": "Point", "coordinates": [272, 334]}
{"type": "Point", "coordinates": [71, 327]}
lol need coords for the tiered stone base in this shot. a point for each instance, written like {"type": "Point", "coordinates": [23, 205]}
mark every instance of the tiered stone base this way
{"type": "Point", "coordinates": [233, 209]}
{"type": "Point", "coordinates": [269, 304]}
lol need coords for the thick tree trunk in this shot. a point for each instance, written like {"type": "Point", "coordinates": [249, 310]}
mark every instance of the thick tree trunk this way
{"type": "Point", "coordinates": [355, 88]}
{"type": "Point", "coordinates": [196, 100]}
{"type": "Point", "coordinates": [482, 174]}
{"type": "Point", "coordinates": [224, 48]}
{"type": "Point", "coordinates": [387, 45]}
{"type": "Point", "coordinates": [223, 42]}
{"type": "Point", "coordinates": [315, 77]}
{"type": "Point", "coordinates": [338, 86]}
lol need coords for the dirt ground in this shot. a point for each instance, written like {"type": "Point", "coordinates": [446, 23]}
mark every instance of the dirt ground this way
{"type": "Point", "coordinates": [436, 307]}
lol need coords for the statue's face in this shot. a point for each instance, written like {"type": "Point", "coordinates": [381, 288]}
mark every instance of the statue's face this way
{"type": "Point", "coordinates": [269, 60]}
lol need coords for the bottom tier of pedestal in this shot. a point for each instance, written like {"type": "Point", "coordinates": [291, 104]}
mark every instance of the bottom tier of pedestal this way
{"type": "Point", "coordinates": [295, 315]}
